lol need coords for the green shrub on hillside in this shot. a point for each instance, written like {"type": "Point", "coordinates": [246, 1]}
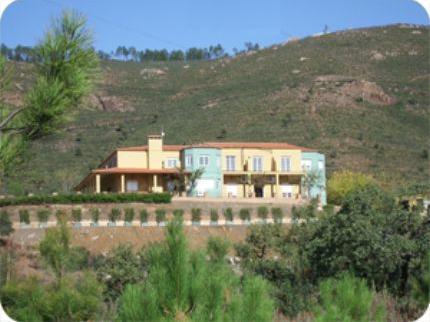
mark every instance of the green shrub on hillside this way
{"type": "Point", "coordinates": [24, 216]}
{"type": "Point", "coordinates": [228, 214]}
{"type": "Point", "coordinates": [60, 214]}
{"type": "Point", "coordinates": [217, 248]}
{"type": "Point", "coordinates": [128, 215]}
{"type": "Point", "coordinates": [88, 198]}
{"type": "Point", "coordinates": [342, 183]}
{"type": "Point", "coordinates": [348, 299]}
{"type": "Point", "coordinates": [186, 286]}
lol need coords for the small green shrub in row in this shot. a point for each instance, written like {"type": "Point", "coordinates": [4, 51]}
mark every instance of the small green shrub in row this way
{"type": "Point", "coordinates": [24, 216]}
{"type": "Point", "coordinates": [88, 198]}
{"type": "Point", "coordinates": [228, 214]}
{"type": "Point", "coordinates": [245, 214]}
{"type": "Point", "coordinates": [196, 214]}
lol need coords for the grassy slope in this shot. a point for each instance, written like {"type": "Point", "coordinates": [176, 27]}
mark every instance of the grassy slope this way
{"type": "Point", "coordinates": [267, 96]}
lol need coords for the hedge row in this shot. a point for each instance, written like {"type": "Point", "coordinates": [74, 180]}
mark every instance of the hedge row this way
{"type": "Point", "coordinates": [87, 198]}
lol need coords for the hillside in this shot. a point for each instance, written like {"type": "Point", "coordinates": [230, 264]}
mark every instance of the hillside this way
{"type": "Point", "coordinates": [359, 96]}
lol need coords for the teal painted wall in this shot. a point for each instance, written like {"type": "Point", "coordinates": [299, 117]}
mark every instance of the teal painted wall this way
{"type": "Point", "coordinates": [317, 191]}
{"type": "Point", "coordinates": [211, 172]}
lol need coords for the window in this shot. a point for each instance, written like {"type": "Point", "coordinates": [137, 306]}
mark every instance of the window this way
{"type": "Point", "coordinates": [188, 161]}
{"type": "Point", "coordinates": [231, 162]}
{"type": "Point", "coordinates": [203, 160]}
{"type": "Point", "coordinates": [257, 163]}
{"type": "Point", "coordinates": [320, 165]}
{"type": "Point", "coordinates": [171, 163]}
{"type": "Point", "coordinates": [285, 163]}
{"type": "Point", "coordinates": [306, 165]}
{"type": "Point", "coordinates": [132, 186]}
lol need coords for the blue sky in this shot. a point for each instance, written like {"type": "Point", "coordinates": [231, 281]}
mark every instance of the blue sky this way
{"type": "Point", "coordinates": [182, 24]}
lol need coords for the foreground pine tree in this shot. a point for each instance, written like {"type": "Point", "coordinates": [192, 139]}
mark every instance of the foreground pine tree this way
{"type": "Point", "coordinates": [191, 286]}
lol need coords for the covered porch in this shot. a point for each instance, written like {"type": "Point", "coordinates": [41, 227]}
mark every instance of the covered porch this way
{"type": "Point", "coordinates": [262, 185]}
{"type": "Point", "coordinates": [119, 180]}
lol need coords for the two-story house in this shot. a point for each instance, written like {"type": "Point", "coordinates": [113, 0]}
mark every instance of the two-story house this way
{"type": "Point", "coordinates": [230, 169]}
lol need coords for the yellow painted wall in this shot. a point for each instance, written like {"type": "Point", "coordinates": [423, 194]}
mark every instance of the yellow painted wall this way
{"type": "Point", "coordinates": [132, 159]}
{"type": "Point", "coordinates": [271, 158]}
{"type": "Point", "coordinates": [171, 154]}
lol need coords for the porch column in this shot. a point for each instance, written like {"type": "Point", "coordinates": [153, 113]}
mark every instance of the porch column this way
{"type": "Point", "coordinates": [98, 185]}
{"type": "Point", "coordinates": [155, 180]}
{"type": "Point", "coordinates": [277, 194]}
{"type": "Point", "coordinates": [122, 183]}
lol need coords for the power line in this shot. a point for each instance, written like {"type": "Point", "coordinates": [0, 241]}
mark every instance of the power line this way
{"type": "Point", "coordinates": [144, 35]}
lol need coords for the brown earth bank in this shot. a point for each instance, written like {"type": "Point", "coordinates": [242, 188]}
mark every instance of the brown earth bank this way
{"type": "Point", "coordinates": [99, 240]}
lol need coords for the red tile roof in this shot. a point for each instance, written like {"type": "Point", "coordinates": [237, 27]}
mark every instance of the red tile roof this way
{"type": "Point", "coordinates": [252, 145]}
{"type": "Point", "coordinates": [145, 148]}
{"type": "Point", "coordinates": [135, 170]}
{"type": "Point", "coordinates": [223, 145]}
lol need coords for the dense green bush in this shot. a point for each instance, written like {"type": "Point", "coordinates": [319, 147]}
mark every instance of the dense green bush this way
{"type": "Point", "coordinates": [24, 216]}
{"type": "Point", "coordinates": [228, 214]}
{"type": "Point", "coordinates": [87, 198]}
{"type": "Point", "coordinates": [262, 212]}
{"type": "Point", "coordinates": [196, 214]}
{"type": "Point", "coordinates": [347, 299]}
{"type": "Point", "coordinates": [120, 267]}
{"type": "Point", "coordinates": [214, 215]}
{"type": "Point", "coordinates": [144, 216]}
{"type": "Point", "coordinates": [77, 214]}
{"type": "Point", "coordinates": [245, 214]}
{"type": "Point", "coordinates": [95, 215]}
{"type": "Point", "coordinates": [128, 215]}
{"type": "Point", "coordinates": [217, 248]}
{"type": "Point", "coordinates": [277, 214]}
{"type": "Point", "coordinates": [185, 286]}
{"type": "Point", "coordinates": [114, 215]}
{"type": "Point", "coordinates": [71, 300]}
{"type": "Point", "coordinates": [178, 213]}
{"type": "Point", "coordinates": [43, 215]}
{"type": "Point", "coordinates": [160, 215]}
